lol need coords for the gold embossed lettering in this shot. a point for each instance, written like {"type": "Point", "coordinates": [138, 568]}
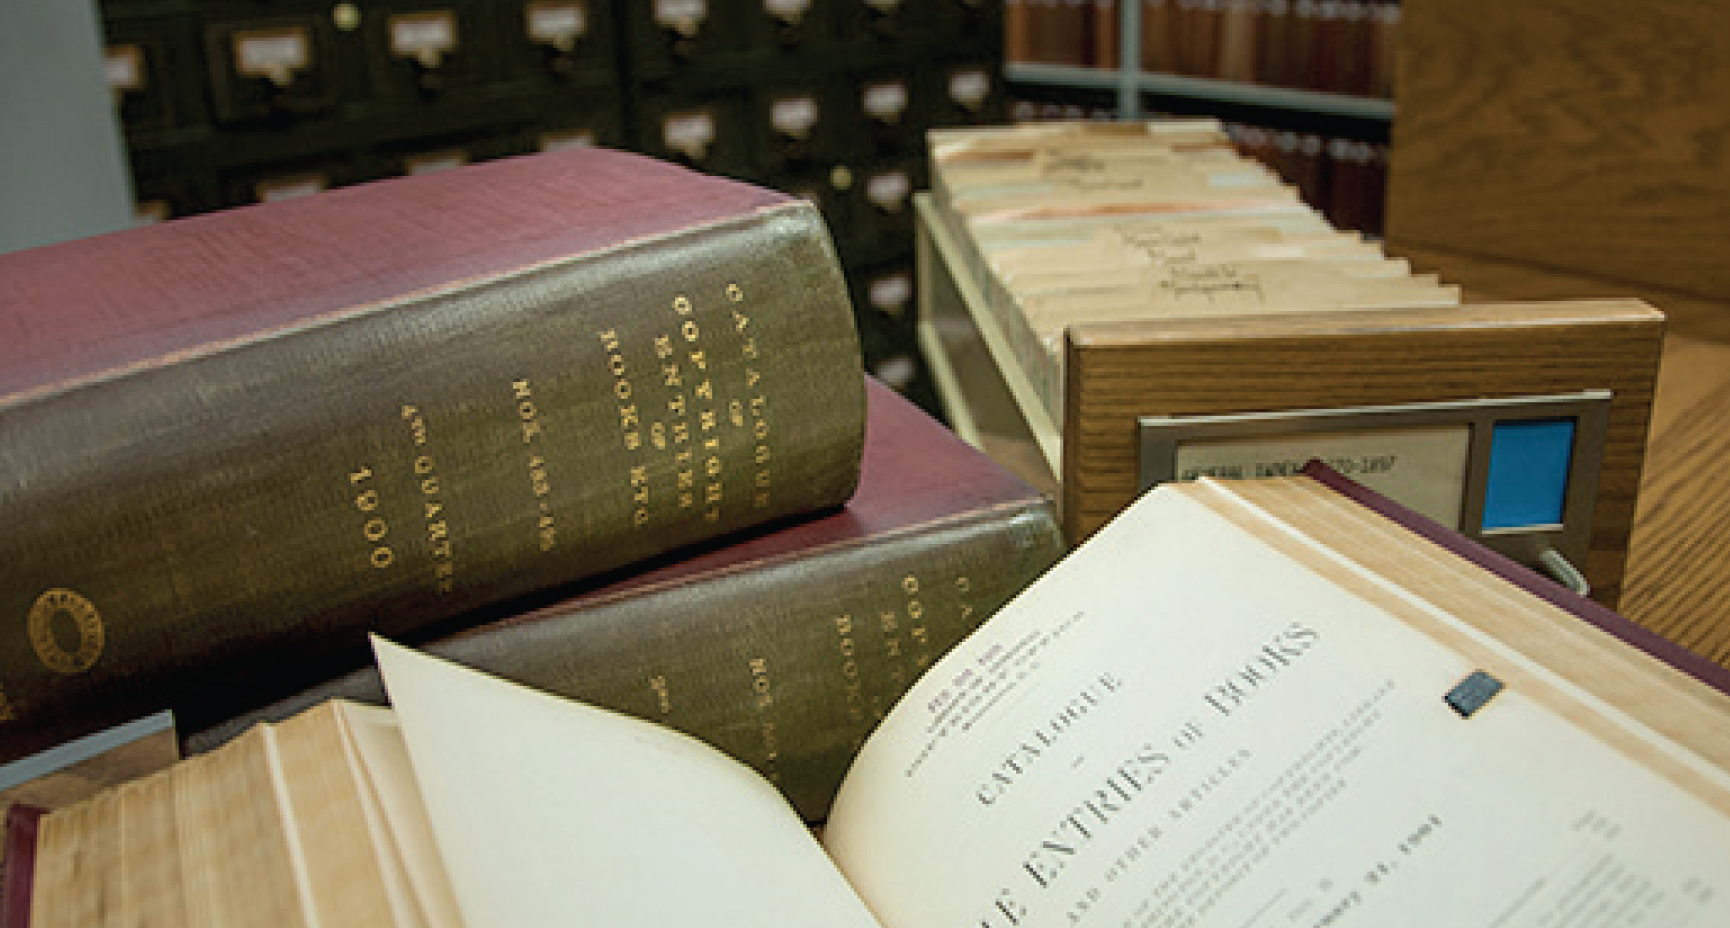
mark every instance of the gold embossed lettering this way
{"type": "Point", "coordinates": [763, 478]}
{"type": "Point", "coordinates": [437, 528]}
{"type": "Point", "coordinates": [771, 747]}
{"type": "Point", "coordinates": [640, 495]}
{"type": "Point", "coordinates": [849, 668]}
{"type": "Point", "coordinates": [527, 413]}
{"type": "Point", "coordinates": [540, 475]}
{"type": "Point", "coordinates": [539, 482]}
{"type": "Point", "coordinates": [417, 424]}
{"type": "Point", "coordinates": [373, 528]}
{"type": "Point", "coordinates": [62, 607]}
{"type": "Point", "coordinates": [629, 418]}
{"type": "Point", "coordinates": [760, 683]}
{"type": "Point", "coordinates": [663, 696]}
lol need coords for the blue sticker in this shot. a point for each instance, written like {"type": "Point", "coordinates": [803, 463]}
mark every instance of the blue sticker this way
{"type": "Point", "coordinates": [1527, 486]}
{"type": "Point", "coordinates": [1472, 693]}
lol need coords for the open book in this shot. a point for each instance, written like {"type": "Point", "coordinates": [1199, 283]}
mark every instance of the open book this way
{"type": "Point", "coordinates": [1239, 704]}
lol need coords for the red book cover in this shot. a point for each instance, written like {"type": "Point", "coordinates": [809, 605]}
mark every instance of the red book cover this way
{"type": "Point", "coordinates": [20, 865]}
{"type": "Point", "coordinates": [112, 302]}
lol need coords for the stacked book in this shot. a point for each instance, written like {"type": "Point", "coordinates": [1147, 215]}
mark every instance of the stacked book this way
{"type": "Point", "coordinates": [593, 421]}
{"type": "Point", "coordinates": [1063, 223]}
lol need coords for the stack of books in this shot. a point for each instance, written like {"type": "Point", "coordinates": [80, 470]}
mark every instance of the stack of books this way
{"type": "Point", "coordinates": [589, 419]}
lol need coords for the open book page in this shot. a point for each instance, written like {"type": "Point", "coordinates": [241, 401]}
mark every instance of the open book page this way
{"type": "Point", "coordinates": [1180, 725]}
{"type": "Point", "coordinates": [401, 829]}
{"type": "Point", "coordinates": [548, 812]}
{"type": "Point", "coordinates": [1659, 714]}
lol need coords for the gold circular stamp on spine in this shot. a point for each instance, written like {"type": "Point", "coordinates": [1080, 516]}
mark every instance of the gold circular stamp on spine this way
{"type": "Point", "coordinates": [84, 616]}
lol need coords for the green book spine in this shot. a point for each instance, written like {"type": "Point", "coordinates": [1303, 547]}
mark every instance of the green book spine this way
{"type": "Point", "coordinates": [201, 520]}
{"type": "Point", "coordinates": [784, 647]}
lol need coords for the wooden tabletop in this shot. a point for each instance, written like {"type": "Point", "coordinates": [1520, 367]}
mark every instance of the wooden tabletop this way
{"type": "Point", "coordinates": [1678, 577]}
{"type": "Point", "coordinates": [1678, 580]}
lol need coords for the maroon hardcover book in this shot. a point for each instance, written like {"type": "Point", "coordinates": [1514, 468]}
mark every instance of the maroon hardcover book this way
{"type": "Point", "coordinates": [20, 865]}
{"type": "Point", "coordinates": [234, 443]}
{"type": "Point", "coordinates": [781, 646]}
{"type": "Point", "coordinates": [144, 297]}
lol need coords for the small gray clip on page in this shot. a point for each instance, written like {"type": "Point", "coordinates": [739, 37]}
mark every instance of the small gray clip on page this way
{"type": "Point", "coordinates": [1472, 693]}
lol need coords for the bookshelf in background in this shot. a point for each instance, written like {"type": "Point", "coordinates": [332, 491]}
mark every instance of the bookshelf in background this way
{"type": "Point", "coordinates": [1303, 85]}
{"type": "Point", "coordinates": [1343, 47]}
